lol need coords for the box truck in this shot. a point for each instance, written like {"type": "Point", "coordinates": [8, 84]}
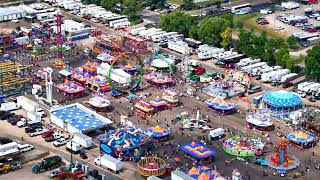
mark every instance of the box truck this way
{"type": "Point", "coordinates": [74, 147]}
{"type": "Point", "coordinates": [216, 133]}
{"type": "Point", "coordinates": [9, 106]}
{"type": "Point", "coordinates": [27, 104]}
{"type": "Point", "coordinates": [109, 162]}
{"type": "Point", "coordinates": [81, 139]}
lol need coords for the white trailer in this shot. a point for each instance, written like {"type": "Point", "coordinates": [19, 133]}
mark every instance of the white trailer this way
{"type": "Point", "coordinates": [113, 23]}
{"type": "Point", "coordinates": [8, 149]}
{"type": "Point", "coordinates": [216, 133]}
{"type": "Point", "coordinates": [82, 139]}
{"type": "Point", "coordinates": [208, 52]}
{"type": "Point", "coordinates": [256, 71]}
{"type": "Point", "coordinates": [311, 87]}
{"type": "Point", "coordinates": [122, 25]}
{"type": "Point", "coordinates": [109, 162]}
{"type": "Point", "coordinates": [163, 37]}
{"type": "Point", "coordinates": [48, 15]}
{"type": "Point", "coordinates": [290, 5]}
{"type": "Point", "coordinates": [280, 74]}
{"type": "Point", "coordinates": [266, 70]}
{"type": "Point", "coordinates": [27, 104]}
{"type": "Point", "coordinates": [179, 46]}
{"type": "Point", "coordinates": [248, 69]}
{"type": "Point", "coordinates": [288, 76]}
{"type": "Point", "coordinates": [143, 33]}
{"type": "Point", "coordinates": [74, 147]}
{"type": "Point", "coordinates": [136, 31]}
{"type": "Point", "coordinates": [180, 175]}
{"type": "Point", "coordinates": [269, 76]}
{"type": "Point", "coordinates": [302, 85]}
{"type": "Point", "coordinates": [9, 106]}
{"type": "Point", "coordinates": [33, 117]}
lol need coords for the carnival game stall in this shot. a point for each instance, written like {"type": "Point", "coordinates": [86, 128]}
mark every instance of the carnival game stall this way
{"type": "Point", "coordinates": [100, 103]}
{"type": "Point", "coordinates": [221, 105]}
{"type": "Point", "coordinates": [301, 138]}
{"type": "Point", "coordinates": [80, 76]}
{"type": "Point", "coordinates": [90, 67]}
{"type": "Point", "coordinates": [152, 166]}
{"type": "Point", "coordinates": [123, 143]}
{"type": "Point", "coordinates": [203, 173]}
{"type": "Point", "coordinates": [98, 84]}
{"type": "Point", "coordinates": [143, 109]}
{"type": "Point", "coordinates": [158, 133]}
{"type": "Point", "coordinates": [198, 153]}
{"type": "Point", "coordinates": [243, 146]}
{"type": "Point", "coordinates": [158, 79]}
{"type": "Point", "coordinates": [70, 88]}
{"type": "Point", "coordinates": [171, 97]}
{"type": "Point", "coordinates": [159, 104]}
{"type": "Point", "coordinates": [281, 103]}
{"type": "Point", "coordinates": [260, 119]}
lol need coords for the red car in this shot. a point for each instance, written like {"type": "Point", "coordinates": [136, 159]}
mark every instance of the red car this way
{"type": "Point", "coordinates": [264, 22]}
{"type": "Point", "coordinates": [312, 30]}
{"type": "Point", "coordinates": [47, 134]}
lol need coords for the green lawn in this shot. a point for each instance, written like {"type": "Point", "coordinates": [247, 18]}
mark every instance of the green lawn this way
{"type": "Point", "coordinates": [179, 2]}
{"type": "Point", "coordinates": [249, 22]}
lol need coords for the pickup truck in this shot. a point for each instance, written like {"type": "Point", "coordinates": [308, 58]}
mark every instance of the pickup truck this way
{"type": "Point", "coordinates": [22, 123]}
{"type": "Point", "coordinates": [60, 142]}
{"type": "Point", "coordinates": [36, 132]}
{"type": "Point", "coordinates": [53, 137]}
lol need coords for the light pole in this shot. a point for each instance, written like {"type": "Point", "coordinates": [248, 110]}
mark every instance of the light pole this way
{"type": "Point", "coordinates": [71, 157]}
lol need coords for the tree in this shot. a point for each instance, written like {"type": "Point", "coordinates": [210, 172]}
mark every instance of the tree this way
{"type": "Point", "coordinates": [282, 56]}
{"type": "Point", "coordinates": [193, 32]}
{"type": "Point", "coordinates": [312, 63]}
{"type": "Point", "coordinates": [108, 4]}
{"type": "Point", "coordinates": [292, 43]}
{"type": "Point", "coordinates": [188, 3]}
{"type": "Point", "coordinates": [211, 28]}
{"type": "Point", "coordinates": [177, 21]}
{"type": "Point", "coordinates": [226, 36]}
{"type": "Point", "coordinates": [154, 4]}
{"type": "Point", "coordinates": [131, 7]}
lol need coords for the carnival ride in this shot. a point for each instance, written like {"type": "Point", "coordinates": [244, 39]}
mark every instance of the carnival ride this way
{"type": "Point", "coordinates": [12, 79]}
{"type": "Point", "coordinates": [119, 142]}
{"type": "Point", "coordinates": [163, 64]}
{"type": "Point", "coordinates": [99, 103]}
{"type": "Point", "coordinates": [281, 161]}
{"type": "Point", "coordinates": [301, 138]}
{"type": "Point", "coordinates": [198, 153]}
{"type": "Point", "coordinates": [243, 146]}
{"type": "Point", "coordinates": [171, 96]}
{"type": "Point", "coordinates": [158, 79]}
{"type": "Point", "coordinates": [203, 173]}
{"type": "Point", "coordinates": [239, 76]}
{"type": "Point", "coordinates": [260, 119]}
{"type": "Point", "coordinates": [7, 41]}
{"type": "Point", "coordinates": [196, 72]}
{"type": "Point", "coordinates": [158, 104]}
{"type": "Point", "coordinates": [70, 88]}
{"type": "Point", "coordinates": [59, 61]}
{"type": "Point", "coordinates": [158, 133]}
{"type": "Point", "coordinates": [195, 122]}
{"type": "Point", "coordinates": [143, 109]}
{"type": "Point", "coordinates": [152, 166]}
{"type": "Point", "coordinates": [134, 85]}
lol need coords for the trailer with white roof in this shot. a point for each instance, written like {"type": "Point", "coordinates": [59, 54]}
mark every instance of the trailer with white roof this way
{"type": "Point", "coordinates": [163, 37]}
{"type": "Point", "coordinates": [136, 31]}
{"type": "Point", "coordinates": [288, 76]}
{"type": "Point", "coordinates": [179, 46]}
{"type": "Point", "coordinates": [302, 85]}
{"type": "Point", "coordinates": [280, 74]}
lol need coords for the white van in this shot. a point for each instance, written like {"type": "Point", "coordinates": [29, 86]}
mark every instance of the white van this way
{"type": "Point", "coordinates": [216, 133]}
{"type": "Point", "coordinates": [24, 147]}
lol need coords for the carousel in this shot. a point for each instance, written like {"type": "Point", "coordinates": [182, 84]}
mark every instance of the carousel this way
{"type": "Point", "coordinates": [243, 146]}
{"type": "Point", "coordinates": [100, 103]}
{"type": "Point", "coordinates": [158, 79]}
{"type": "Point", "coordinates": [143, 109]}
{"type": "Point", "coordinates": [171, 97]}
{"type": "Point", "coordinates": [123, 143]}
{"type": "Point", "coordinates": [260, 119]}
{"type": "Point", "coordinates": [301, 138]}
{"type": "Point", "coordinates": [198, 153]}
{"type": "Point", "coordinates": [203, 173]}
{"type": "Point", "coordinates": [158, 133]}
{"type": "Point", "coordinates": [70, 88]}
{"type": "Point", "coordinates": [152, 166]}
{"type": "Point", "coordinates": [196, 122]}
{"type": "Point", "coordinates": [221, 105]}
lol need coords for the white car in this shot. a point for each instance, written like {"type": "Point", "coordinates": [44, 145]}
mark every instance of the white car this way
{"type": "Point", "coordinates": [94, 20]}
{"type": "Point", "coordinates": [298, 25]}
{"type": "Point", "coordinates": [79, 15]}
{"type": "Point", "coordinates": [15, 20]}
{"type": "Point", "coordinates": [60, 142]}
{"type": "Point", "coordinates": [25, 147]}
{"type": "Point", "coordinates": [279, 27]}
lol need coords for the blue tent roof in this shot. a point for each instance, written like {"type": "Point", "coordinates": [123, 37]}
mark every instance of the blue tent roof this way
{"type": "Point", "coordinates": [282, 99]}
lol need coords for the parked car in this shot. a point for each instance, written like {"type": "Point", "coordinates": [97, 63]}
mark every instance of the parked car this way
{"type": "Point", "coordinates": [47, 133]}
{"type": "Point", "coordinates": [25, 148]}
{"type": "Point", "coordinates": [32, 127]}
{"type": "Point", "coordinates": [15, 20]}
{"type": "Point", "coordinates": [275, 83]}
{"type": "Point", "coordinates": [287, 84]}
{"type": "Point", "coordinates": [36, 132]}
{"type": "Point", "coordinates": [279, 27]}
{"type": "Point", "coordinates": [312, 99]}
{"type": "Point", "coordinates": [60, 142]}
{"type": "Point", "coordinates": [94, 20]}
{"type": "Point", "coordinates": [15, 166]}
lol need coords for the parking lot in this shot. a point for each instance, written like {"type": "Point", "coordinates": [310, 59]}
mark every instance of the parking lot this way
{"type": "Point", "coordinates": [288, 29]}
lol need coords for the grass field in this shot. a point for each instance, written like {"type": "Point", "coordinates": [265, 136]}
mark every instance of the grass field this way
{"type": "Point", "coordinates": [249, 22]}
{"type": "Point", "coordinates": [179, 2]}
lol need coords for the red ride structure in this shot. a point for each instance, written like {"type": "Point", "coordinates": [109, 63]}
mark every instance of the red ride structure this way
{"type": "Point", "coordinates": [281, 157]}
{"type": "Point", "coordinates": [59, 63]}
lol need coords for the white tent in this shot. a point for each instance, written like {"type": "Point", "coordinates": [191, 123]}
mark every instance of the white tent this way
{"type": "Point", "coordinates": [162, 63]}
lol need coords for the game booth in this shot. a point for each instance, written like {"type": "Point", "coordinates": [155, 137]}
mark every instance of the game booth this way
{"type": "Point", "coordinates": [90, 68]}
{"type": "Point", "coordinates": [98, 84]}
{"type": "Point", "coordinates": [301, 138]}
{"type": "Point", "coordinates": [143, 109]}
{"type": "Point", "coordinates": [221, 105]}
{"type": "Point", "coordinates": [260, 119]}
{"type": "Point", "coordinates": [100, 103]}
{"type": "Point", "coordinates": [243, 146]}
{"type": "Point", "coordinates": [152, 166]}
{"type": "Point", "coordinates": [171, 97]}
{"type": "Point", "coordinates": [198, 153]}
{"type": "Point", "coordinates": [159, 134]}
{"type": "Point", "coordinates": [80, 77]}
{"type": "Point", "coordinates": [158, 79]}
{"type": "Point", "coordinates": [70, 88]}
{"type": "Point", "coordinates": [123, 143]}
{"type": "Point", "coordinates": [159, 104]}
{"type": "Point", "coordinates": [203, 173]}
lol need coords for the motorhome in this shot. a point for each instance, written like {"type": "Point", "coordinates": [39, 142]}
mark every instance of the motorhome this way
{"type": "Point", "coordinates": [302, 85]}
{"type": "Point", "coordinates": [148, 36]}
{"type": "Point", "coordinates": [206, 52]}
{"type": "Point", "coordinates": [248, 69]}
{"type": "Point", "coordinates": [122, 25]}
{"type": "Point", "coordinates": [290, 5]}
{"type": "Point", "coordinates": [163, 37]}
{"type": "Point", "coordinates": [148, 31]}
{"type": "Point", "coordinates": [136, 31]}
{"type": "Point", "coordinates": [114, 18]}
{"type": "Point", "coordinates": [270, 76]}
{"type": "Point", "coordinates": [256, 71]}
{"type": "Point", "coordinates": [266, 70]}
{"type": "Point", "coordinates": [311, 87]}
{"type": "Point", "coordinates": [280, 74]}
{"type": "Point", "coordinates": [288, 77]}
{"type": "Point", "coordinates": [49, 15]}
{"type": "Point", "coordinates": [193, 43]}
{"type": "Point", "coordinates": [179, 46]}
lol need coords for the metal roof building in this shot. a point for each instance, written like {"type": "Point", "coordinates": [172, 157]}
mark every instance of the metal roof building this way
{"type": "Point", "coordinates": [9, 13]}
